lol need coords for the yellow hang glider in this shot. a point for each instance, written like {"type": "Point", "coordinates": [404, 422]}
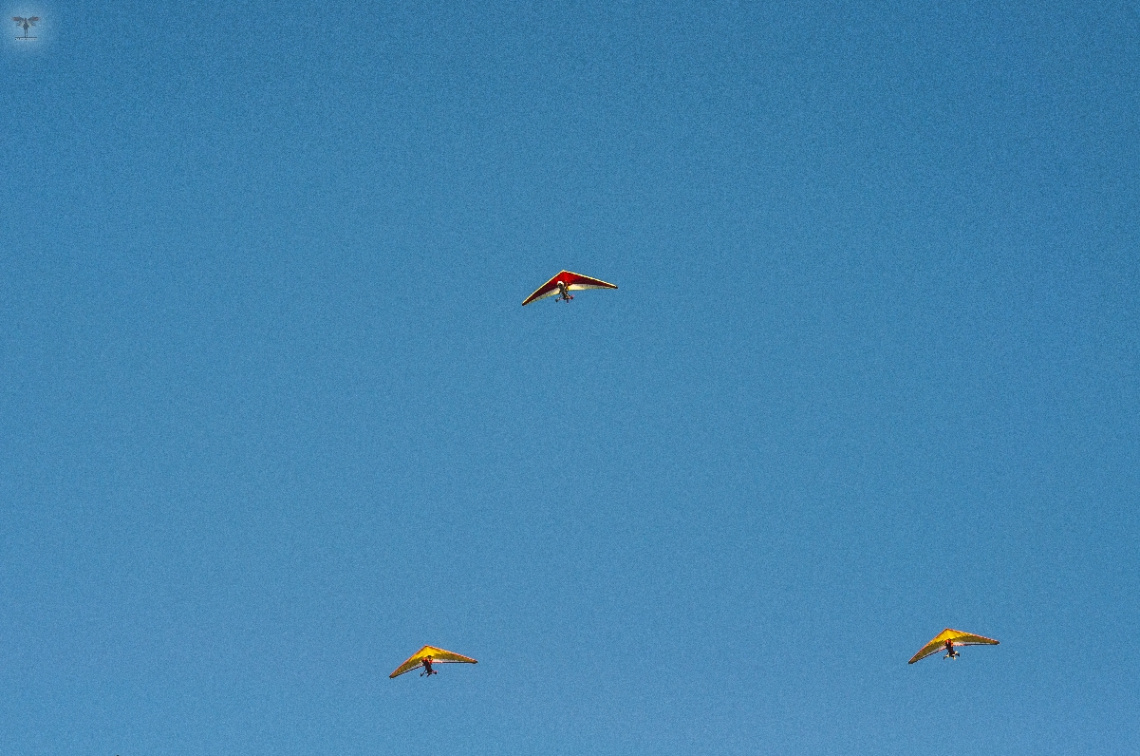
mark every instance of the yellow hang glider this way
{"type": "Point", "coordinates": [947, 640]}
{"type": "Point", "coordinates": [426, 657]}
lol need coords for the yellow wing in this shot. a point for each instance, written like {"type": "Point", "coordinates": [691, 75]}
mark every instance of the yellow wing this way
{"type": "Point", "coordinates": [438, 656]}
{"type": "Point", "coordinates": [957, 637]}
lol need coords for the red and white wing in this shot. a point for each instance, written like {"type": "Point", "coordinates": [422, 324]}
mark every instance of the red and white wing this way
{"type": "Point", "coordinates": [578, 282]}
{"type": "Point", "coordinates": [548, 289]}
{"type": "Point", "coordinates": [573, 281]}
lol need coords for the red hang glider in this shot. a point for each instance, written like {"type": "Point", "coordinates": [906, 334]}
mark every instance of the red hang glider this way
{"type": "Point", "coordinates": [564, 283]}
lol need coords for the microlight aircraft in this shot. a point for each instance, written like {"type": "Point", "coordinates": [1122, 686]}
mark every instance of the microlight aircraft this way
{"type": "Point", "coordinates": [26, 23]}
{"type": "Point", "coordinates": [947, 640]}
{"type": "Point", "coordinates": [426, 657]}
{"type": "Point", "coordinates": [564, 283]}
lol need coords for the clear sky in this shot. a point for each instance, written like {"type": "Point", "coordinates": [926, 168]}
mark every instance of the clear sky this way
{"type": "Point", "coordinates": [272, 417]}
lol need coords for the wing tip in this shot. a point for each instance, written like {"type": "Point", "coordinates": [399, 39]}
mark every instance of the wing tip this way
{"type": "Point", "coordinates": [920, 656]}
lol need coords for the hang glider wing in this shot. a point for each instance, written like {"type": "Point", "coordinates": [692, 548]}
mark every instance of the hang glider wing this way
{"type": "Point", "coordinates": [438, 656]}
{"type": "Point", "coordinates": [573, 281]}
{"type": "Point", "coordinates": [959, 638]}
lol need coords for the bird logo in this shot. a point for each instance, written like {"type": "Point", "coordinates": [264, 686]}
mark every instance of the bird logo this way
{"type": "Point", "coordinates": [25, 23]}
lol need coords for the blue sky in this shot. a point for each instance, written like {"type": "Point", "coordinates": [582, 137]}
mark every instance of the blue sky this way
{"type": "Point", "coordinates": [273, 417]}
